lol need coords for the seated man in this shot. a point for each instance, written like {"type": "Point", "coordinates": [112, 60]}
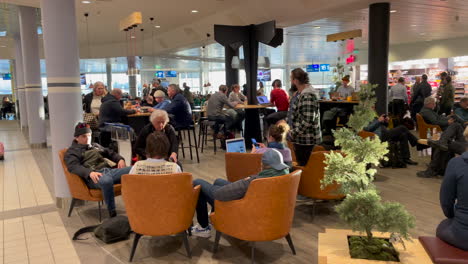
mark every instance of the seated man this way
{"type": "Point", "coordinates": [223, 190]}
{"type": "Point", "coordinates": [461, 112]}
{"type": "Point", "coordinates": [400, 135]}
{"type": "Point", "coordinates": [158, 122]}
{"type": "Point", "coordinates": [430, 116]}
{"type": "Point", "coordinates": [94, 163]}
{"type": "Point", "coordinates": [179, 109]}
{"type": "Point", "coordinates": [454, 202]}
{"type": "Point", "coordinates": [157, 147]}
{"type": "Point", "coordinates": [215, 113]}
{"type": "Point", "coordinates": [451, 142]}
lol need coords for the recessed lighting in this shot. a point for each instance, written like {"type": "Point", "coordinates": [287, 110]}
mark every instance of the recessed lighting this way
{"type": "Point", "coordinates": [194, 11]}
{"type": "Point", "coordinates": [414, 25]}
{"type": "Point", "coordinates": [316, 26]}
{"type": "Point", "coordinates": [422, 34]}
{"type": "Point", "coordinates": [393, 11]}
{"type": "Point", "coordinates": [132, 37]}
{"type": "Point", "coordinates": [2, 46]}
{"type": "Point", "coordinates": [157, 26]}
{"type": "Point", "coordinates": [86, 2]}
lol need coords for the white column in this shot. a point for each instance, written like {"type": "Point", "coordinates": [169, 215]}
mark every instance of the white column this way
{"type": "Point", "coordinates": [32, 76]}
{"type": "Point", "coordinates": [63, 79]}
{"type": "Point", "coordinates": [19, 77]}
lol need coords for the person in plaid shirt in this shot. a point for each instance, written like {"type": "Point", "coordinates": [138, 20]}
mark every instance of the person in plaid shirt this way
{"type": "Point", "coordinates": [305, 132]}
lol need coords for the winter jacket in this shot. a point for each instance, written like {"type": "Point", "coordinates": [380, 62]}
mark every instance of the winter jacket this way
{"type": "Point", "coordinates": [180, 111]}
{"type": "Point", "coordinates": [306, 119]}
{"type": "Point", "coordinates": [447, 97]}
{"type": "Point", "coordinates": [421, 92]}
{"type": "Point", "coordinates": [74, 158]}
{"type": "Point", "coordinates": [87, 100]}
{"type": "Point", "coordinates": [111, 111]}
{"type": "Point", "coordinates": [432, 118]}
{"type": "Point", "coordinates": [140, 145]}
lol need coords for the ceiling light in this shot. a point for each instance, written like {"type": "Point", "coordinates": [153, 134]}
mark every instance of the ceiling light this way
{"type": "Point", "coordinates": [86, 2]}
{"type": "Point", "coordinates": [422, 34]}
{"type": "Point", "coordinates": [414, 25]}
{"type": "Point", "coordinates": [132, 37]}
{"type": "Point", "coordinates": [157, 26]}
{"type": "Point", "coordinates": [194, 11]}
{"type": "Point", "coordinates": [2, 46]}
{"type": "Point", "coordinates": [393, 11]}
{"type": "Point", "coordinates": [316, 26]}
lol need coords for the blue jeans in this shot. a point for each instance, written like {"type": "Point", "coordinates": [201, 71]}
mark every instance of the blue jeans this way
{"type": "Point", "coordinates": [206, 196]}
{"type": "Point", "coordinates": [106, 184]}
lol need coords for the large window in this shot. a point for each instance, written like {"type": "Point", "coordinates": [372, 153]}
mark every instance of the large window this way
{"type": "Point", "coordinates": [192, 79]}
{"type": "Point", "coordinates": [216, 78]}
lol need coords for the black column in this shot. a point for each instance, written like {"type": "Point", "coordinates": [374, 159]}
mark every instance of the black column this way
{"type": "Point", "coordinates": [232, 75]}
{"type": "Point", "coordinates": [379, 38]}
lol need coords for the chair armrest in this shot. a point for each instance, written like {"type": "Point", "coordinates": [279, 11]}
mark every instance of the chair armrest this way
{"type": "Point", "coordinates": [294, 168]}
{"type": "Point", "coordinates": [228, 213]}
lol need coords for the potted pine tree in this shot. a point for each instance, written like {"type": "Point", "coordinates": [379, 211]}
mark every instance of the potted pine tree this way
{"type": "Point", "coordinates": [363, 209]}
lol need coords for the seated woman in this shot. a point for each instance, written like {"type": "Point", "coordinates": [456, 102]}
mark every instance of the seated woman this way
{"type": "Point", "coordinates": [276, 138]}
{"type": "Point", "coordinates": [454, 202]}
{"type": "Point", "coordinates": [157, 147]}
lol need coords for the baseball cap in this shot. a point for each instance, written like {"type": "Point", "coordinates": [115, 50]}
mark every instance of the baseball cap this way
{"type": "Point", "coordinates": [274, 159]}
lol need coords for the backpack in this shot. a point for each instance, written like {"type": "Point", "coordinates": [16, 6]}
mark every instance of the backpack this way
{"type": "Point", "coordinates": [109, 231]}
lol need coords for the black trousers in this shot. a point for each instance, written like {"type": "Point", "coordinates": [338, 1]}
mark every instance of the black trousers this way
{"type": "Point", "coordinates": [273, 118]}
{"type": "Point", "coordinates": [228, 122]}
{"type": "Point", "coordinates": [402, 136]}
{"type": "Point", "coordinates": [302, 153]}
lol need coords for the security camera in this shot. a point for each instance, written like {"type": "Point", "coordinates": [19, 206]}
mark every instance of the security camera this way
{"type": "Point", "coordinates": [151, 18]}
{"type": "Point", "coordinates": [86, 14]}
{"type": "Point", "coordinates": [203, 47]}
{"type": "Point", "coordinates": [208, 35]}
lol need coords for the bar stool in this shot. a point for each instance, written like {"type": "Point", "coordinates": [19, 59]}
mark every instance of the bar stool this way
{"type": "Point", "coordinates": [181, 135]}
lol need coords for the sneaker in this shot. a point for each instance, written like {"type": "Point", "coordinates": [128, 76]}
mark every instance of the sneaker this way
{"type": "Point", "coordinates": [199, 231]}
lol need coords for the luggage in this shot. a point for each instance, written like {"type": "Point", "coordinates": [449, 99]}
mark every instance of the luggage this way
{"type": "Point", "coordinates": [109, 231]}
{"type": "Point", "coordinates": [2, 151]}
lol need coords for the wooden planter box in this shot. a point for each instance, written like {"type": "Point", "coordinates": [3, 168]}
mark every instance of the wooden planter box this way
{"type": "Point", "coordinates": [333, 249]}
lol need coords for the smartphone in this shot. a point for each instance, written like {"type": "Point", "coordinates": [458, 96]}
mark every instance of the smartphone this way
{"type": "Point", "coordinates": [254, 142]}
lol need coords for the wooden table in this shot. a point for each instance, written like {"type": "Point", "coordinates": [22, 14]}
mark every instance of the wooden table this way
{"type": "Point", "coordinates": [242, 106]}
{"type": "Point", "coordinates": [138, 121]}
{"type": "Point", "coordinates": [338, 102]}
{"type": "Point", "coordinates": [139, 114]}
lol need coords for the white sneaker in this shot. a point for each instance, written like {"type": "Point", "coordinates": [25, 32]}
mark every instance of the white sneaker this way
{"type": "Point", "coordinates": [199, 231]}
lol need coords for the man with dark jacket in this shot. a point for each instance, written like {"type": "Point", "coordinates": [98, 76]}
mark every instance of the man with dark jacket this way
{"type": "Point", "coordinates": [93, 163]}
{"type": "Point", "coordinates": [179, 109]}
{"type": "Point", "coordinates": [431, 117]}
{"type": "Point", "coordinates": [223, 190]}
{"type": "Point", "coordinates": [111, 111]}
{"type": "Point", "coordinates": [420, 92]}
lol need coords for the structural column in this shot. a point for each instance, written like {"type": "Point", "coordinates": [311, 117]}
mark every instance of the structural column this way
{"type": "Point", "coordinates": [232, 75]}
{"type": "Point", "coordinates": [19, 77]}
{"type": "Point", "coordinates": [63, 79]}
{"type": "Point", "coordinates": [109, 74]}
{"type": "Point", "coordinates": [32, 76]}
{"type": "Point", "coordinates": [132, 72]}
{"type": "Point", "coordinates": [379, 38]}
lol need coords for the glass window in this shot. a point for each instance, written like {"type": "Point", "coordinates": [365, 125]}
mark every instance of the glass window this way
{"type": "Point", "coordinates": [216, 78]}
{"type": "Point", "coordinates": [192, 79]}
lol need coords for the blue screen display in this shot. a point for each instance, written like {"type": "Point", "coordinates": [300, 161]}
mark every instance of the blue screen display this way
{"type": "Point", "coordinates": [171, 74]}
{"type": "Point", "coordinates": [235, 145]}
{"type": "Point", "coordinates": [324, 67]}
{"type": "Point", "coordinates": [6, 76]}
{"type": "Point", "coordinates": [159, 74]}
{"type": "Point", "coordinates": [313, 68]}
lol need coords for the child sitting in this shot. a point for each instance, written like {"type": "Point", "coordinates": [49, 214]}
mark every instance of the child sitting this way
{"type": "Point", "coordinates": [157, 147]}
{"type": "Point", "coordinates": [276, 138]}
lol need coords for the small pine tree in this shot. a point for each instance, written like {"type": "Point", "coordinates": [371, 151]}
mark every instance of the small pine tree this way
{"type": "Point", "coordinates": [362, 209]}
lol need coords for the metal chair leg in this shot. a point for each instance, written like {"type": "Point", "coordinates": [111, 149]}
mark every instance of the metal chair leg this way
{"type": "Point", "coordinates": [72, 204]}
{"type": "Point", "coordinates": [181, 142]}
{"type": "Point", "coordinates": [253, 253]}
{"type": "Point", "coordinates": [135, 244]}
{"type": "Point", "coordinates": [216, 243]}
{"type": "Point", "coordinates": [196, 146]}
{"type": "Point", "coordinates": [291, 245]}
{"type": "Point", "coordinates": [190, 144]}
{"type": "Point", "coordinates": [186, 243]}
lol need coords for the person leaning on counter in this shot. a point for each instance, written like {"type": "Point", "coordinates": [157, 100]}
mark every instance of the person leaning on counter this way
{"type": "Point", "coordinates": [345, 89]}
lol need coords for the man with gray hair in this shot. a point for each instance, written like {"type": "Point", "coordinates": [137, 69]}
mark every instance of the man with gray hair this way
{"type": "Point", "coordinates": [111, 111]}
{"type": "Point", "coordinates": [215, 111]}
{"type": "Point", "coordinates": [179, 109]}
{"type": "Point", "coordinates": [431, 117]}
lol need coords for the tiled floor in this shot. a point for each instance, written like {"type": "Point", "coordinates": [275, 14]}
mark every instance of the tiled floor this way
{"type": "Point", "coordinates": [27, 235]}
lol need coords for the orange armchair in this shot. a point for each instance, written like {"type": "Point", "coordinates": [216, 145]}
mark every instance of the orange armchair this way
{"type": "Point", "coordinates": [79, 190]}
{"type": "Point", "coordinates": [242, 165]}
{"type": "Point", "coordinates": [267, 211]}
{"type": "Point", "coordinates": [423, 126]}
{"type": "Point", "coordinates": [365, 134]}
{"type": "Point", "coordinates": [311, 176]}
{"type": "Point", "coordinates": [159, 205]}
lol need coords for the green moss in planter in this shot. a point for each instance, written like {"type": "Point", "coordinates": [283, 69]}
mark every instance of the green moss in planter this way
{"type": "Point", "coordinates": [375, 249]}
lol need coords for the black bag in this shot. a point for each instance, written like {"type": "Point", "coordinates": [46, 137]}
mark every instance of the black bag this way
{"type": "Point", "coordinates": [394, 157]}
{"type": "Point", "coordinates": [111, 230]}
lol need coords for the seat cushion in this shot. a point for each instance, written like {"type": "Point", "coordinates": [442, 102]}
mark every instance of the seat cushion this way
{"type": "Point", "coordinates": [443, 253]}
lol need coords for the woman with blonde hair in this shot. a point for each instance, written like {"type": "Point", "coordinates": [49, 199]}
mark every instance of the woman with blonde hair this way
{"type": "Point", "coordinates": [92, 101]}
{"type": "Point", "coordinates": [276, 139]}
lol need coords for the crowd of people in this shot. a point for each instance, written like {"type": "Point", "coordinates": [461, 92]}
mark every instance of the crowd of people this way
{"type": "Point", "coordinates": [297, 120]}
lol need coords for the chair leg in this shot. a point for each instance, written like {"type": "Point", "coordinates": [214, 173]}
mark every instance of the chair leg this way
{"type": "Point", "coordinates": [181, 142]}
{"type": "Point", "coordinates": [196, 146]}
{"type": "Point", "coordinates": [190, 144]}
{"type": "Point", "coordinates": [253, 253]}
{"type": "Point", "coordinates": [214, 144]}
{"type": "Point", "coordinates": [200, 128]}
{"type": "Point", "coordinates": [72, 204]}
{"type": "Point", "coordinates": [291, 245]}
{"type": "Point", "coordinates": [216, 243]}
{"type": "Point", "coordinates": [99, 208]}
{"type": "Point", "coordinates": [186, 243]}
{"type": "Point", "coordinates": [135, 244]}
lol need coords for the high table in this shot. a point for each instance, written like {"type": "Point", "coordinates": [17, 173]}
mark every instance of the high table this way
{"type": "Point", "coordinates": [138, 121]}
{"type": "Point", "coordinates": [326, 105]}
{"type": "Point", "coordinates": [252, 122]}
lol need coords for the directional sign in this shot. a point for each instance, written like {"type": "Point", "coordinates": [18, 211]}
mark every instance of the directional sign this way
{"type": "Point", "coordinates": [160, 74]}
{"type": "Point", "coordinates": [313, 68]}
{"type": "Point", "coordinates": [324, 67]}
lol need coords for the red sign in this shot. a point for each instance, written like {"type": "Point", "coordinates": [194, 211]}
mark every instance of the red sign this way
{"type": "Point", "coordinates": [350, 59]}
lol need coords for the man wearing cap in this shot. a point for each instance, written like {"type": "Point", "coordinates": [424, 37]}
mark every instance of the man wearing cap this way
{"type": "Point", "coordinates": [94, 163]}
{"type": "Point", "coordinates": [222, 190]}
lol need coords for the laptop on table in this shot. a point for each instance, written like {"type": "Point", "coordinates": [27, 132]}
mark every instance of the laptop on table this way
{"type": "Point", "coordinates": [262, 100]}
{"type": "Point", "coordinates": [235, 145]}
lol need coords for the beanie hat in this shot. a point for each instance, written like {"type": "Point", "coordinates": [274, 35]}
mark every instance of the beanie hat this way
{"type": "Point", "coordinates": [82, 128]}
